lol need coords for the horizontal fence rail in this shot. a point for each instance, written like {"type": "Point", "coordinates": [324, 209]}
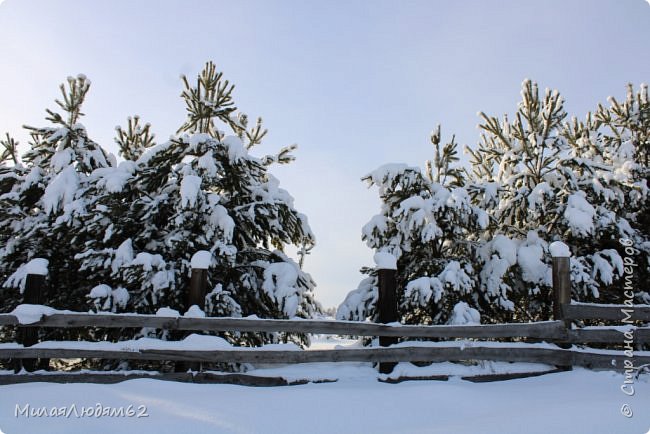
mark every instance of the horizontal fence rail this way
{"type": "Point", "coordinates": [547, 330]}
{"type": "Point", "coordinates": [611, 312]}
{"type": "Point", "coordinates": [184, 377]}
{"type": "Point", "coordinates": [552, 356]}
{"type": "Point", "coordinates": [539, 330]}
{"type": "Point", "coordinates": [640, 335]}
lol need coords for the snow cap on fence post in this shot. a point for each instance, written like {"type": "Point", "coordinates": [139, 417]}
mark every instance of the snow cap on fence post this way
{"type": "Point", "coordinates": [559, 250]}
{"type": "Point", "coordinates": [201, 260]}
{"type": "Point", "coordinates": [386, 300]}
{"type": "Point", "coordinates": [37, 266]}
{"type": "Point", "coordinates": [385, 261]}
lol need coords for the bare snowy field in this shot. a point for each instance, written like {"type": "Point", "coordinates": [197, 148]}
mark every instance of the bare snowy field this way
{"type": "Point", "coordinates": [576, 402]}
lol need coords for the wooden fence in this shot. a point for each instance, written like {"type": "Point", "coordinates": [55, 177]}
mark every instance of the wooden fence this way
{"type": "Point", "coordinates": [556, 349]}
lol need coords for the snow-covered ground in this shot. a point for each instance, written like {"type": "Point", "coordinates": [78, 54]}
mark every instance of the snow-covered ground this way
{"type": "Point", "coordinates": [576, 402]}
{"type": "Point", "coordinates": [351, 401]}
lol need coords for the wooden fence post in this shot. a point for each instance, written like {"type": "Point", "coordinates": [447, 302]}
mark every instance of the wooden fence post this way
{"type": "Point", "coordinates": [199, 279]}
{"type": "Point", "coordinates": [387, 301]}
{"type": "Point", "coordinates": [561, 286]}
{"type": "Point", "coordinates": [196, 295]}
{"type": "Point", "coordinates": [33, 294]}
{"type": "Point", "coordinates": [561, 280]}
{"type": "Point", "coordinates": [198, 287]}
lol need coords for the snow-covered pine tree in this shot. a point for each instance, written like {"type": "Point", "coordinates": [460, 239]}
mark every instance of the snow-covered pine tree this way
{"type": "Point", "coordinates": [111, 224]}
{"type": "Point", "coordinates": [624, 127]}
{"type": "Point", "coordinates": [42, 210]}
{"type": "Point", "coordinates": [542, 179]}
{"type": "Point", "coordinates": [428, 222]}
{"type": "Point", "coordinates": [201, 190]}
{"type": "Point", "coordinates": [11, 171]}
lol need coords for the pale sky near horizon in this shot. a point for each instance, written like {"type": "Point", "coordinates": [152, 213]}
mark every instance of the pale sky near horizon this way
{"type": "Point", "coordinates": [355, 84]}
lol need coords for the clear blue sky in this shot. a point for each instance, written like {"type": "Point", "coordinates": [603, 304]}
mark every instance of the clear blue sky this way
{"type": "Point", "coordinates": [355, 83]}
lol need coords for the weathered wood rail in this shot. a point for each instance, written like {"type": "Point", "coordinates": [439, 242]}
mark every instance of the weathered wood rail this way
{"type": "Point", "coordinates": [540, 330]}
{"type": "Point", "coordinates": [611, 312]}
{"type": "Point", "coordinates": [546, 330]}
{"type": "Point", "coordinates": [553, 356]}
{"type": "Point", "coordinates": [183, 377]}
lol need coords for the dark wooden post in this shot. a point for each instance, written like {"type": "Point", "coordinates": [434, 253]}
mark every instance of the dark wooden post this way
{"type": "Point", "coordinates": [561, 286]}
{"type": "Point", "coordinates": [387, 302]}
{"type": "Point", "coordinates": [196, 296]}
{"type": "Point", "coordinates": [28, 336]}
{"type": "Point", "coordinates": [198, 287]}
